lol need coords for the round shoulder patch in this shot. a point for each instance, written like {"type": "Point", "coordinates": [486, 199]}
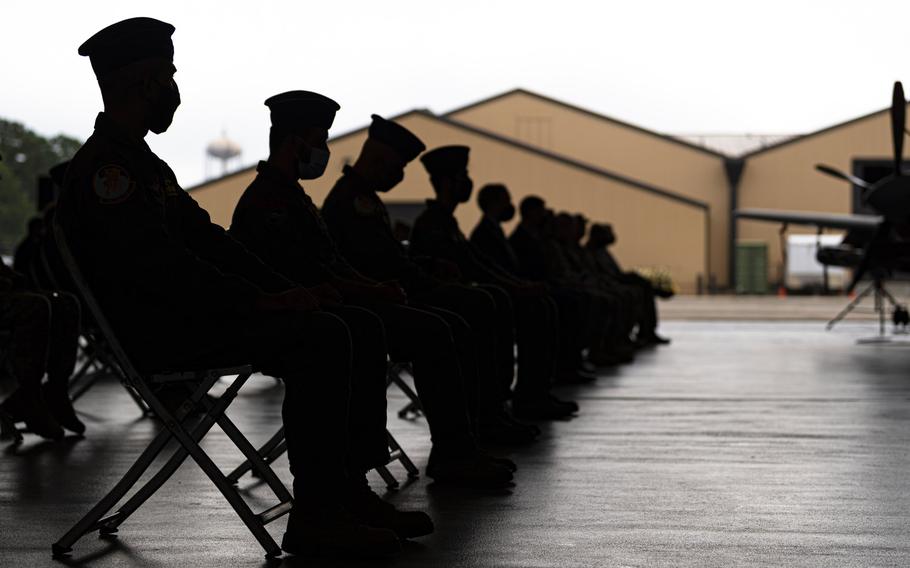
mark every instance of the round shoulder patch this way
{"type": "Point", "coordinates": [112, 184]}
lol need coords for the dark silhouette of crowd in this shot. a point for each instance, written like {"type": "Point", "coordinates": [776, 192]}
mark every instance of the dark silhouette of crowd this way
{"type": "Point", "coordinates": [323, 299]}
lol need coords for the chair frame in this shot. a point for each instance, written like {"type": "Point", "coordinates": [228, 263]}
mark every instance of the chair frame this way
{"type": "Point", "coordinates": [176, 427]}
{"type": "Point", "coordinates": [276, 445]}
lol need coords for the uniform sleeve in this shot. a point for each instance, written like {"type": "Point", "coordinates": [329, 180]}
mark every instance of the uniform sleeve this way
{"type": "Point", "coordinates": [368, 244]}
{"type": "Point", "coordinates": [120, 221]}
{"type": "Point", "coordinates": [432, 237]}
{"type": "Point", "coordinates": [212, 244]}
{"type": "Point", "coordinates": [272, 236]}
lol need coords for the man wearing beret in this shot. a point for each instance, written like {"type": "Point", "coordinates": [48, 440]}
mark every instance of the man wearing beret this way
{"type": "Point", "coordinates": [359, 222]}
{"type": "Point", "coordinates": [278, 221]}
{"type": "Point", "coordinates": [181, 293]}
{"type": "Point", "coordinates": [640, 291]}
{"type": "Point", "coordinates": [523, 306]}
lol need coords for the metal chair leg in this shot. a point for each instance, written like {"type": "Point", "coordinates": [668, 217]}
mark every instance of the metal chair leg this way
{"type": "Point", "coordinates": [266, 449]}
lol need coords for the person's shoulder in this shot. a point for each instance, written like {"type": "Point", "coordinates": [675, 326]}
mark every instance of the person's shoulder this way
{"type": "Point", "coordinates": [108, 171]}
{"type": "Point", "coordinates": [95, 154]}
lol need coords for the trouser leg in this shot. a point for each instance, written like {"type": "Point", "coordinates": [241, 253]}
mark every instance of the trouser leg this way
{"type": "Point", "coordinates": [477, 308]}
{"type": "Point", "coordinates": [27, 317]}
{"type": "Point", "coordinates": [311, 352]}
{"type": "Point", "coordinates": [367, 406]}
{"type": "Point", "coordinates": [64, 338]}
{"type": "Point", "coordinates": [649, 322]}
{"type": "Point", "coordinates": [506, 333]}
{"type": "Point", "coordinates": [535, 333]}
{"type": "Point", "coordinates": [426, 340]}
{"type": "Point", "coordinates": [571, 329]}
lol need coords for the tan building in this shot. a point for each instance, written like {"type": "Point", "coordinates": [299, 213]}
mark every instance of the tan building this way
{"type": "Point", "coordinates": [670, 200]}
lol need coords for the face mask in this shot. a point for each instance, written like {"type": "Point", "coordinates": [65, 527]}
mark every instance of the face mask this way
{"type": "Point", "coordinates": [508, 214]}
{"type": "Point", "coordinates": [463, 190]}
{"type": "Point", "coordinates": [389, 181]}
{"type": "Point", "coordinates": [315, 166]}
{"type": "Point", "coordinates": [162, 112]}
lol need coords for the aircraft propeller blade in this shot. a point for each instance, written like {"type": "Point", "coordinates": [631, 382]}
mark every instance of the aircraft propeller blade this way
{"type": "Point", "coordinates": [898, 124]}
{"type": "Point", "coordinates": [841, 175]}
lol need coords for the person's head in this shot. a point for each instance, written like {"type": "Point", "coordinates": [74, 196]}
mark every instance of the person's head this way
{"type": "Point", "coordinates": [565, 228]}
{"type": "Point", "coordinates": [548, 224]}
{"type": "Point", "coordinates": [388, 149]}
{"type": "Point", "coordinates": [300, 131]}
{"type": "Point", "coordinates": [601, 236]}
{"type": "Point", "coordinates": [448, 169]}
{"type": "Point", "coordinates": [133, 61]}
{"type": "Point", "coordinates": [495, 202]}
{"type": "Point", "coordinates": [581, 226]}
{"type": "Point", "coordinates": [533, 210]}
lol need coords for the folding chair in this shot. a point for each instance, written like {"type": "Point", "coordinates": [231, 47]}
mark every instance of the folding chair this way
{"type": "Point", "coordinates": [276, 445]}
{"type": "Point", "coordinates": [96, 359]}
{"type": "Point", "coordinates": [198, 383]}
{"type": "Point", "coordinates": [413, 409]}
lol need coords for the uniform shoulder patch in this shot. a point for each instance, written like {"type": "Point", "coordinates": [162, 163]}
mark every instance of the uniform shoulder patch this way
{"type": "Point", "coordinates": [112, 184]}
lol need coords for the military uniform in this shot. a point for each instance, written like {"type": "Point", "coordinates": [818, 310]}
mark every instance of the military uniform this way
{"type": "Point", "coordinates": [181, 293]}
{"type": "Point", "coordinates": [359, 223]}
{"type": "Point", "coordinates": [489, 238]}
{"type": "Point", "coordinates": [278, 221]}
{"type": "Point", "coordinates": [637, 289]}
{"type": "Point", "coordinates": [535, 321]}
{"type": "Point", "coordinates": [43, 332]}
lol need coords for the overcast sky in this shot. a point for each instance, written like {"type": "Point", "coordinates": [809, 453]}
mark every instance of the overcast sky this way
{"type": "Point", "coordinates": [675, 66]}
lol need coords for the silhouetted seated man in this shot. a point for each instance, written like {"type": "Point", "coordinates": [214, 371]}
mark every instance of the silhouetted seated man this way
{"type": "Point", "coordinates": [522, 305]}
{"type": "Point", "coordinates": [43, 332]}
{"type": "Point", "coordinates": [489, 239]}
{"type": "Point", "coordinates": [639, 289]}
{"type": "Point", "coordinates": [27, 259]}
{"type": "Point", "coordinates": [278, 221]}
{"type": "Point", "coordinates": [360, 225]}
{"type": "Point", "coordinates": [540, 259]}
{"type": "Point", "coordinates": [561, 251]}
{"type": "Point", "coordinates": [182, 294]}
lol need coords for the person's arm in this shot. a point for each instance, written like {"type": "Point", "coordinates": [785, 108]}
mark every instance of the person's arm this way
{"type": "Point", "coordinates": [212, 243]}
{"type": "Point", "coordinates": [367, 243]}
{"type": "Point", "coordinates": [112, 210]}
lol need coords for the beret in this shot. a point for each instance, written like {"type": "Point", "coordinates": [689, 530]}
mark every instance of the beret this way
{"type": "Point", "coordinates": [446, 160]}
{"type": "Point", "coordinates": [398, 137]}
{"type": "Point", "coordinates": [295, 110]}
{"type": "Point", "coordinates": [126, 42]}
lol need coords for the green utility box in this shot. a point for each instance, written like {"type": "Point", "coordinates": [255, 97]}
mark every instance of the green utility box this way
{"type": "Point", "coordinates": [751, 267]}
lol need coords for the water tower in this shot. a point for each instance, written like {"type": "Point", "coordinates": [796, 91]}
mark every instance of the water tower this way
{"type": "Point", "coordinates": [224, 150]}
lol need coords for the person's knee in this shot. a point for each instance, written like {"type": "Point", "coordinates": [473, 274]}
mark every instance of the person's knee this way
{"type": "Point", "coordinates": [365, 326]}
{"type": "Point", "coordinates": [329, 333]}
{"type": "Point", "coordinates": [479, 305]}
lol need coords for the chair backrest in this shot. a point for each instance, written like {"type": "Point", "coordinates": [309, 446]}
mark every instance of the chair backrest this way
{"type": "Point", "coordinates": [72, 267]}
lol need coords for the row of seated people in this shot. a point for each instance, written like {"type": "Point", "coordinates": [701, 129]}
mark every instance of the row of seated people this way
{"type": "Point", "coordinates": [323, 299]}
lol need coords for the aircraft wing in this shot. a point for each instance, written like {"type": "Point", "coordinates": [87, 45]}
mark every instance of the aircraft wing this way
{"type": "Point", "coordinates": [820, 220]}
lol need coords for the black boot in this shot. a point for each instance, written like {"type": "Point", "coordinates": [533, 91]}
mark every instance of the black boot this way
{"type": "Point", "coordinates": [58, 401]}
{"type": "Point", "coordinates": [472, 470]}
{"type": "Point", "coordinates": [27, 405]}
{"type": "Point", "coordinates": [369, 509]}
{"type": "Point", "coordinates": [320, 531]}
